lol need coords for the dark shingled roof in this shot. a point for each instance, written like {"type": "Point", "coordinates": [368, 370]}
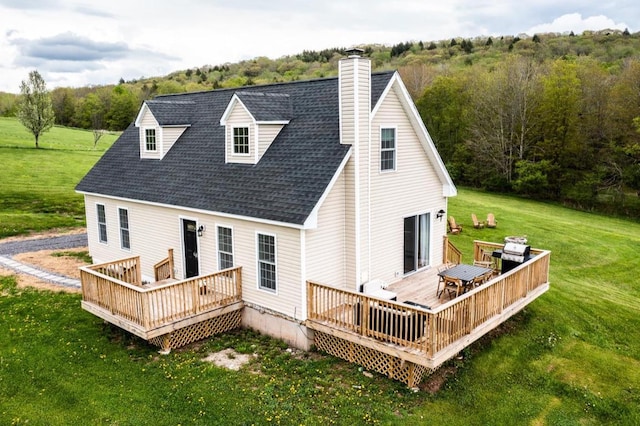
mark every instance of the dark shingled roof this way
{"type": "Point", "coordinates": [267, 106]}
{"type": "Point", "coordinates": [170, 112]}
{"type": "Point", "coordinates": [284, 186]}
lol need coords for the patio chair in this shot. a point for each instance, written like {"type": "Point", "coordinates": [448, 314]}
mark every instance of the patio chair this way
{"type": "Point", "coordinates": [453, 285]}
{"type": "Point", "coordinates": [441, 286]}
{"type": "Point", "coordinates": [476, 223]}
{"type": "Point", "coordinates": [491, 221]}
{"type": "Point", "coordinates": [454, 227]}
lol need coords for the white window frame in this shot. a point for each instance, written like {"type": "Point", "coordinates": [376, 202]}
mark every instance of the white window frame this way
{"type": "Point", "coordinates": [155, 139]}
{"type": "Point", "coordinates": [220, 251]}
{"type": "Point", "coordinates": [124, 230]}
{"type": "Point", "coordinates": [102, 224]}
{"type": "Point", "coordinates": [233, 141]}
{"type": "Point", "coordinates": [259, 262]}
{"type": "Point", "coordinates": [394, 150]}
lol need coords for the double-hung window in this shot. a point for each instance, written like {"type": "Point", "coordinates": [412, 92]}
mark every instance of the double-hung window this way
{"type": "Point", "coordinates": [125, 241]}
{"type": "Point", "coordinates": [150, 140]}
{"type": "Point", "coordinates": [102, 223]}
{"type": "Point", "coordinates": [241, 140]}
{"type": "Point", "coordinates": [225, 248]}
{"type": "Point", "coordinates": [387, 149]}
{"type": "Point", "coordinates": [267, 262]}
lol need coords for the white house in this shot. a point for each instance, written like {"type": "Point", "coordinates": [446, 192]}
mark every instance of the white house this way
{"type": "Point", "coordinates": [333, 180]}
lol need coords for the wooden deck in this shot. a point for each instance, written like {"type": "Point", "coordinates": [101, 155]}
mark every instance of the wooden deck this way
{"type": "Point", "coordinates": [196, 307]}
{"type": "Point", "coordinates": [406, 341]}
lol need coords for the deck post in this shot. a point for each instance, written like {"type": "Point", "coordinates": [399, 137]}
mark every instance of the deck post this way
{"type": "Point", "coordinates": [170, 255]}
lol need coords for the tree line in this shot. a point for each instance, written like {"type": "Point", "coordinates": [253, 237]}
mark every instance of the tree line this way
{"type": "Point", "coordinates": [550, 116]}
{"type": "Point", "coordinates": [566, 129]}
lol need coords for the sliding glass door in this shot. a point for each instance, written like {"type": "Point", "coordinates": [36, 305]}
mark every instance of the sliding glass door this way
{"type": "Point", "coordinates": [416, 242]}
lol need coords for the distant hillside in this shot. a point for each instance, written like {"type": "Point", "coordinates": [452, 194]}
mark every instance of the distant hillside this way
{"type": "Point", "coordinates": [547, 116]}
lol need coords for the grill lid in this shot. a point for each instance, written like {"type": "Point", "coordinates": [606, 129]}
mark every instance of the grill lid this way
{"type": "Point", "coordinates": [514, 248]}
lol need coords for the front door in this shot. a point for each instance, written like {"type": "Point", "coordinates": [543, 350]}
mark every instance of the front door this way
{"type": "Point", "coordinates": [190, 241]}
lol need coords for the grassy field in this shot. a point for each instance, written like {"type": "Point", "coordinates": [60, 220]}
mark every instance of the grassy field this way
{"type": "Point", "coordinates": [570, 358]}
{"type": "Point", "coordinates": [37, 184]}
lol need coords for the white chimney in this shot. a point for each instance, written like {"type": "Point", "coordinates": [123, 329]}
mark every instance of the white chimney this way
{"type": "Point", "coordinates": [354, 82]}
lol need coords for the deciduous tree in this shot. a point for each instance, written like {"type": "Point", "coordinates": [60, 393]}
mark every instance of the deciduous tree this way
{"type": "Point", "coordinates": [35, 110]}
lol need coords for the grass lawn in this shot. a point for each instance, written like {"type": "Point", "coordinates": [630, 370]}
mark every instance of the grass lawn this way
{"type": "Point", "coordinates": [570, 358]}
{"type": "Point", "coordinates": [37, 184]}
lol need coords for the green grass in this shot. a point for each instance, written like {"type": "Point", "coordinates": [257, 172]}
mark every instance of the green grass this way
{"type": "Point", "coordinates": [81, 255]}
{"type": "Point", "coordinates": [570, 358]}
{"type": "Point", "coordinates": [37, 185]}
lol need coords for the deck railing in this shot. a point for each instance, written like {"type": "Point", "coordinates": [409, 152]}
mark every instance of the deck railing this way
{"type": "Point", "coordinates": [163, 270]}
{"type": "Point", "coordinates": [426, 330]}
{"type": "Point", "coordinates": [451, 253]}
{"type": "Point", "coordinates": [149, 307]}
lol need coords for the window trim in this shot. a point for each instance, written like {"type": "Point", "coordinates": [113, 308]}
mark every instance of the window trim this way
{"type": "Point", "coordinates": [274, 263]}
{"type": "Point", "coordinates": [230, 228]}
{"type": "Point", "coordinates": [145, 139]}
{"type": "Point", "coordinates": [394, 150]}
{"type": "Point", "coordinates": [426, 243]}
{"type": "Point", "coordinates": [233, 141]}
{"type": "Point", "coordinates": [122, 229]}
{"type": "Point", "coordinates": [102, 224]}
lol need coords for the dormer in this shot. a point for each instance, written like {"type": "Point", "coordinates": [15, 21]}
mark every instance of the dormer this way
{"type": "Point", "coordinates": [252, 121]}
{"type": "Point", "coordinates": [161, 123]}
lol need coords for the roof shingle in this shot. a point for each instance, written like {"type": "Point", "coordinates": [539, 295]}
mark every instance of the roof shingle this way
{"type": "Point", "coordinates": [284, 186]}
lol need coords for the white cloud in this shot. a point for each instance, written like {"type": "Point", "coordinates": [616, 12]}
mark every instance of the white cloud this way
{"type": "Point", "coordinates": [576, 23]}
{"type": "Point", "coordinates": [78, 42]}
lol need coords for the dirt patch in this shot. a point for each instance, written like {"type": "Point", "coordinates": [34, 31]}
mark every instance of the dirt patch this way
{"type": "Point", "coordinates": [44, 259]}
{"type": "Point", "coordinates": [61, 265]}
{"type": "Point", "coordinates": [228, 358]}
{"type": "Point", "coordinates": [435, 381]}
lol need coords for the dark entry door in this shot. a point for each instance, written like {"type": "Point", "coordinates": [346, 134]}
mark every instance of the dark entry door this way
{"type": "Point", "coordinates": [190, 240]}
{"type": "Point", "coordinates": [409, 244]}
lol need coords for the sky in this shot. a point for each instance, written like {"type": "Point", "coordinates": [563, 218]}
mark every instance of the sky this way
{"type": "Point", "coordinates": [75, 43]}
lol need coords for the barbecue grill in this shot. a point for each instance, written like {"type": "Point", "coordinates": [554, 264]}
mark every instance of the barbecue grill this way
{"type": "Point", "coordinates": [513, 255]}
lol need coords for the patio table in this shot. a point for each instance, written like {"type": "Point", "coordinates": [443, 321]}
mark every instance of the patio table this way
{"type": "Point", "coordinates": [465, 273]}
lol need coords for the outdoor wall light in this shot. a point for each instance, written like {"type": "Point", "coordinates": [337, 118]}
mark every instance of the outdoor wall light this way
{"type": "Point", "coordinates": [201, 230]}
{"type": "Point", "coordinates": [440, 214]}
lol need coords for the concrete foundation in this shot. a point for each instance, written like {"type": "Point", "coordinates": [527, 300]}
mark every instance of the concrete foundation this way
{"type": "Point", "coordinates": [278, 326]}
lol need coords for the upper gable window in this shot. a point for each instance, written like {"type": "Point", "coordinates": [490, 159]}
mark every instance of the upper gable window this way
{"type": "Point", "coordinates": [150, 140]}
{"type": "Point", "coordinates": [241, 140]}
{"type": "Point", "coordinates": [387, 149]}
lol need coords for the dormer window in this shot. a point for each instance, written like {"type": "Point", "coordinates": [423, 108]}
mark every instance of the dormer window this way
{"type": "Point", "coordinates": [241, 140]}
{"type": "Point", "coordinates": [150, 140]}
{"type": "Point", "coordinates": [252, 121]}
{"type": "Point", "coordinates": [161, 123]}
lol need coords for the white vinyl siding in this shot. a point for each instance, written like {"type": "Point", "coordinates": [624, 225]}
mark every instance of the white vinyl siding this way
{"type": "Point", "coordinates": [155, 229]}
{"type": "Point", "coordinates": [326, 254]}
{"type": "Point", "coordinates": [225, 247]}
{"type": "Point", "coordinates": [123, 218]}
{"type": "Point", "coordinates": [266, 134]}
{"type": "Point", "coordinates": [240, 118]}
{"type": "Point", "coordinates": [413, 189]}
{"type": "Point", "coordinates": [102, 223]}
{"type": "Point", "coordinates": [169, 137]}
{"type": "Point", "coordinates": [267, 273]}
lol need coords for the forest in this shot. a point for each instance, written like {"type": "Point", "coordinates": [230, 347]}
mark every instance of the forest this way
{"type": "Point", "coordinates": [551, 116]}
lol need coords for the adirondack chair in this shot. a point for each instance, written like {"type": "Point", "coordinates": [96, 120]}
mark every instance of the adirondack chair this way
{"type": "Point", "coordinates": [491, 221]}
{"type": "Point", "coordinates": [476, 223]}
{"type": "Point", "coordinates": [454, 228]}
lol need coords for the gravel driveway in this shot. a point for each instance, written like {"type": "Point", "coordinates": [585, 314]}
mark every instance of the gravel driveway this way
{"type": "Point", "coordinates": [52, 243]}
{"type": "Point", "coordinates": [61, 242]}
